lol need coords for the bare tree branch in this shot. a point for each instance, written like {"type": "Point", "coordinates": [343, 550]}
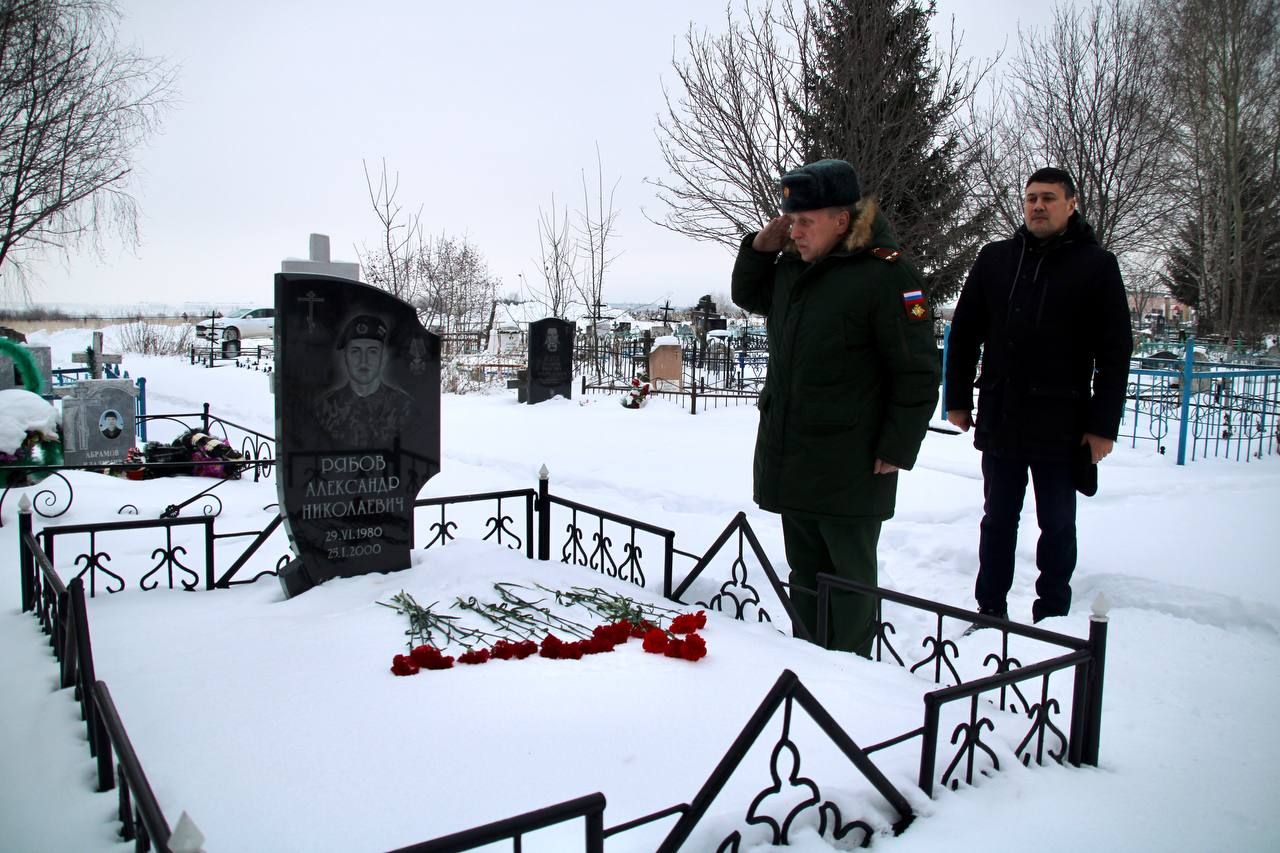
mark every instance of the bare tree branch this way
{"type": "Point", "coordinates": [74, 106]}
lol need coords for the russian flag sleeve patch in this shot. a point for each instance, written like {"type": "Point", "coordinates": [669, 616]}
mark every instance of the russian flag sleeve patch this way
{"type": "Point", "coordinates": [913, 304]}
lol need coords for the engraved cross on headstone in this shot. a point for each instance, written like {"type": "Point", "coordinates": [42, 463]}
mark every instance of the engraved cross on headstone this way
{"type": "Point", "coordinates": [312, 300]}
{"type": "Point", "coordinates": [95, 356]}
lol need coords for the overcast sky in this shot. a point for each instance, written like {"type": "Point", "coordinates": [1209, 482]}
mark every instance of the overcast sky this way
{"type": "Point", "coordinates": [484, 110]}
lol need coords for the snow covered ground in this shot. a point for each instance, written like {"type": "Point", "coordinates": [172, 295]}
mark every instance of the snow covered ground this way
{"type": "Point", "coordinates": [277, 726]}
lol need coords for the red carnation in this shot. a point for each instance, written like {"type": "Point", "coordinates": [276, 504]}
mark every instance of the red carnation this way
{"type": "Point", "coordinates": [674, 648]}
{"type": "Point", "coordinates": [503, 650]}
{"type": "Point", "coordinates": [693, 648]}
{"type": "Point", "coordinates": [474, 656]}
{"type": "Point", "coordinates": [429, 657]}
{"type": "Point", "coordinates": [640, 629]}
{"type": "Point", "coordinates": [403, 665]}
{"type": "Point", "coordinates": [688, 622]}
{"type": "Point", "coordinates": [572, 651]}
{"type": "Point", "coordinates": [552, 647]}
{"type": "Point", "coordinates": [655, 641]}
{"type": "Point", "coordinates": [524, 648]}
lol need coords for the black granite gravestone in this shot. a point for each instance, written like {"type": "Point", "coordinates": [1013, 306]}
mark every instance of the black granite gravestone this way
{"type": "Point", "coordinates": [550, 359]}
{"type": "Point", "coordinates": [357, 387]}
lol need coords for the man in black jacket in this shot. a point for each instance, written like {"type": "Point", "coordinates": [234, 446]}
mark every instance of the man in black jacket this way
{"type": "Point", "coordinates": [1048, 309]}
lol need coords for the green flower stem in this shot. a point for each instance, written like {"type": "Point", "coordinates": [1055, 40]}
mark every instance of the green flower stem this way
{"type": "Point", "coordinates": [425, 624]}
{"type": "Point", "coordinates": [521, 617]}
{"type": "Point", "coordinates": [612, 607]}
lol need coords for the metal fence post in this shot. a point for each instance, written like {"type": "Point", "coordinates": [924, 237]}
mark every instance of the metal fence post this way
{"type": "Point", "coordinates": [142, 408]}
{"type": "Point", "coordinates": [1187, 364]}
{"type": "Point", "coordinates": [1097, 668]}
{"type": "Point", "coordinates": [26, 560]}
{"type": "Point", "coordinates": [544, 514]}
{"type": "Point", "coordinates": [929, 744]}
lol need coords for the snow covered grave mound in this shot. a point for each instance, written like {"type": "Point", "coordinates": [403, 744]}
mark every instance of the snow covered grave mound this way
{"type": "Point", "coordinates": [664, 711]}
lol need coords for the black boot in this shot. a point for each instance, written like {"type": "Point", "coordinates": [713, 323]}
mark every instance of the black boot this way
{"type": "Point", "coordinates": [1002, 613]}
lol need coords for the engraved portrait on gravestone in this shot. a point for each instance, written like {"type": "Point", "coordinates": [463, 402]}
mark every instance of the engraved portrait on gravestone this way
{"type": "Point", "coordinates": [109, 423]}
{"type": "Point", "coordinates": [365, 409]}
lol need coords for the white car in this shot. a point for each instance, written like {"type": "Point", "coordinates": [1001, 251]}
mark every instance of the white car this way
{"type": "Point", "coordinates": [247, 323]}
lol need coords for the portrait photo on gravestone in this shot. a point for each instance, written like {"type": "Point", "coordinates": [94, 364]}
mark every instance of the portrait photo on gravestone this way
{"type": "Point", "coordinates": [358, 422]}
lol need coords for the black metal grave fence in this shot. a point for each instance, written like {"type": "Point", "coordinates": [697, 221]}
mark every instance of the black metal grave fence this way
{"type": "Point", "coordinates": [991, 703]}
{"type": "Point", "coordinates": [60, 608]}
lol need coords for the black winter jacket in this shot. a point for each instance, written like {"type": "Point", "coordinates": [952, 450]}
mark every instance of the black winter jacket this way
{"type": "Point", "coordinates": [1052, 320]}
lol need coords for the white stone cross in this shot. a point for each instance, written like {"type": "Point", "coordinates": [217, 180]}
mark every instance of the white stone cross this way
{"type": "Point", "coordinates": [96, 356]}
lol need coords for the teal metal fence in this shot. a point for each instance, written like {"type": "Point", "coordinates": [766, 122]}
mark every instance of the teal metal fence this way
{"type": "Point", "coordinates": [1203, 408]}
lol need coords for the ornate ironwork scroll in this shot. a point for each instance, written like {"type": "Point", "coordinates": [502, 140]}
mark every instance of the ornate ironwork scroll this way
{"type": "Point", "coordinates": [46, 502]}
{"type": "Point", "coordinates": [972, 734]}
{"type": "Point", "coordinates": [169, 557]}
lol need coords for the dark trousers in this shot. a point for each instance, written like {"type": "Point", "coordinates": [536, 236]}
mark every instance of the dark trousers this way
{"type": "Point", "coordinates": [1004, 487]}
{"type": "Point", "coordinates": [846, 549]}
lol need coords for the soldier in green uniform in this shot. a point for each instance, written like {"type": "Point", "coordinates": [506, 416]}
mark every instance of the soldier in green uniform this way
{"type": "Point", "coordinates": [852, 383]}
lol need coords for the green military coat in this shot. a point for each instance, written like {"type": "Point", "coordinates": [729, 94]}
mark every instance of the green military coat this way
{"type": "Point", "coordinates": [853, 372]}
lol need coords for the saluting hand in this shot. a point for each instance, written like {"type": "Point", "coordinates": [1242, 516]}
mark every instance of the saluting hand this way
{"type": "Point", "coordinates": [773, 236]}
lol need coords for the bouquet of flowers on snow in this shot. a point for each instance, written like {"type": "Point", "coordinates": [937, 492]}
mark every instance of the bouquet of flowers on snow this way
{"type": "Point", "coordinates": [639, 393]}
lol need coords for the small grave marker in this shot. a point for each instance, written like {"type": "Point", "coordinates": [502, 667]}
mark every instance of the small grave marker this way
{"type": "Point", "coordinates": [99, 420]}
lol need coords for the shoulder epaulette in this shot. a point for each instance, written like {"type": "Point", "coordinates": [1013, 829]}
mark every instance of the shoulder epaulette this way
{"type": "Point", "coordinates": [884, 254]}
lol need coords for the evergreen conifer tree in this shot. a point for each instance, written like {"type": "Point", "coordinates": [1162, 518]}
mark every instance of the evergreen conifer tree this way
{"type": "Point", "coordinates": [872, 95]}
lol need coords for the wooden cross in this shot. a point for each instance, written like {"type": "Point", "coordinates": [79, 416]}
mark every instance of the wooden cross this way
{"type": "Point", "coordinates": [666, 309]}
{"type": "Point", "coordinates": [95, 356]}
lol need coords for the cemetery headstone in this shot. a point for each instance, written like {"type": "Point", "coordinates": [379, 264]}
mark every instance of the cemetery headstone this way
{"type": "Point", "coordinates": [99, 420]}
{"type": "Point", "coordinates": [550, 359]}
{"type": "Point", "coordinates": [44, 364]}
{"type": "Point", "coordinates": [357, 425]}
{"type": "Point", "coordinates": [666, 370]}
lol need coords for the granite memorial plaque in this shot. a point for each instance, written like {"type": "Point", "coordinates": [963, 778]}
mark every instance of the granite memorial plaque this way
{"type": "Point", "coordinates": [357, 388]}
{"type": "Point", "coordinates": [98, 421]}
{"type": "Point", "coordinates": [550, 359]}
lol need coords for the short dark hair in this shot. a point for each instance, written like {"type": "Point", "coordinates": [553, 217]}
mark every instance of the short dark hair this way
{"type": "Point", "coordinates": [1050, 175]}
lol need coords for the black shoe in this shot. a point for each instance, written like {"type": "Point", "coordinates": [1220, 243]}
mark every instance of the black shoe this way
{"type": "Point", "coordinates": [1002, 613]}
